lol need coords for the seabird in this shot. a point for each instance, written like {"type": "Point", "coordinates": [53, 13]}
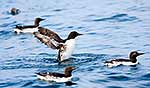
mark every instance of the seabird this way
{"type": "Point", "coordinates": [15, 11]}
{"type": "Point", "coordinates": [57, 77]}
{"type": "Point", "coordinates": [29, 28]}
{"type": "Point", "coordinates": [131, 61]}
{"type": "Point", "coordinates": [65, 47]}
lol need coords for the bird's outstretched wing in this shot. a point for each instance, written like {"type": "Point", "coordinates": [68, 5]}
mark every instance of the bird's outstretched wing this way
{"type": "Point", "coordinates": [49, 38]}
{"type": "Point", "coordinates": [50, 34]}
{"type": "Point", "coordinates": [46, 40]}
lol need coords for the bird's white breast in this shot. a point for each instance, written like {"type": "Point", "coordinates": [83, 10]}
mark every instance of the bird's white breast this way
{"type": "Point", "coordinates": [52, 78]}
{"type": "Point", "coordinates": [69, 45]}
{"type": "Point", "coordinates": [26, 30]}
{"type": "Point", "coordinates": [129, 63]}
{"type": "Point", "coordinates": [117, 63]}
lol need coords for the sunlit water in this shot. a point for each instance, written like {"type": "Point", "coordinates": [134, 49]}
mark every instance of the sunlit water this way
{"type": "Point", "coordinates": [111, 28]}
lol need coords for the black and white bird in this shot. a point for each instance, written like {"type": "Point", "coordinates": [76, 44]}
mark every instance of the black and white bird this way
{"type": "Point", "coordinates": [14, 11]}
{"type": "Point", "coordinates": [65, 47]}
{"type": "Point", "coordinates": [57, 77]}
{"type": "Point", "coordinates": [29, 28]}
{"type": "Point", "coordinates": [131, 61]}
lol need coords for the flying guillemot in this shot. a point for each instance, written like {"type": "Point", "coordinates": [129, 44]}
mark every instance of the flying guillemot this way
{"type": "Point", "coordinates": [57, 77]}
{"type": "Point", "coordinates": [29, 28]}
{"type": "Point", "coordinates": [131, 61]}
{"type": "Point", "coordinates": [52, 40]}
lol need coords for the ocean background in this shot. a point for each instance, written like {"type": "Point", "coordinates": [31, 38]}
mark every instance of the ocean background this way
{"type": "Point", "coordinates": [111, 28]}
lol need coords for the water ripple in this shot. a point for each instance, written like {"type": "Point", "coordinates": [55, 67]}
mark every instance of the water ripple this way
{"type": "Point", "coordinates": [118, 18]}
{"type": "Point", "coordinates": [58, 10]}
{"type": "Point", "coordinates": [119, 78]}
{"type": "Point", "coordinates": [10, 24]}
{"type": "Point", "coordinates": [109, 32]}
{"type": "Point", "coordinates": [114, 87]}
{"type": "Point", "coordinates": [145, 77]}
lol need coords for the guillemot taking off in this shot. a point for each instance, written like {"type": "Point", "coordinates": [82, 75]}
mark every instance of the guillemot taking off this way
{"type": "Point", "coordinates": [131, 61]}
{"type": "Point", "coordinates": [29, 28]}
{"type": "Point", "coordinates": [57, 77]}
{"type": "Point", "coordinates": [52, 40]}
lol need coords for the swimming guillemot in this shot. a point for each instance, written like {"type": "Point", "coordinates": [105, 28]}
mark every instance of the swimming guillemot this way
{"type": "Point", "coordinates": [131, 61]}
{"type": "Point", "coordinates": [52, 40]}
{"type": "Point", "coordinates": [15, 11]}
{"type": "Point", "coordinates": [29, 28]}
{"type": "Point", "coordinates": [57, 77]}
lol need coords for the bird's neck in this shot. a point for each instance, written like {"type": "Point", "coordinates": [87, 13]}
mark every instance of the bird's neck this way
{"type": "Point", "coordinates": [70, 37]}
{"type": "Point", "coordinates": [36, 23]}
{"type": "Point", "coordinates": [68, 73]}
{"type": "Point", "coordinates": [133, 59]}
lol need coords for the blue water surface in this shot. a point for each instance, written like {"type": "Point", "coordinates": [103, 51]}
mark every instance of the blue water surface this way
{"type": "Point", "coordinates": [111, 28]}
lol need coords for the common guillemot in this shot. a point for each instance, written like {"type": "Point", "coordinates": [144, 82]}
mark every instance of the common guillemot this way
{"type": "Point", "coordinates": [14, 11]}
{"type": "Point", "coordinates": [57, 77]}
{"type": "Point", "coordinates": [29, 28]}
{"type": "Point", "coordinates": [52, 40]}
{"type": "Point", "coordinates": [131, 61]}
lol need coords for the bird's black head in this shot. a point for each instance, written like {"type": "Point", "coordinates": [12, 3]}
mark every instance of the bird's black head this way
{"type": "Point", "coordinates": [68, 71]}
{"type": "Point", "coordinates": [73, 35]}
{"type": "Point", "coordinates": [134, 54]}
{"type": "Point", "coordinates": [37, 21]}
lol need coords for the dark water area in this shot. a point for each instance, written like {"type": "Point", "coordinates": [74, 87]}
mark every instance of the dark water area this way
{"type": "Point", "coordinates": [111, 29]}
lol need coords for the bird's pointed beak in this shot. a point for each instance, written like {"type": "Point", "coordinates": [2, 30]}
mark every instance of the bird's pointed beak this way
{"type": "Point", "coordinates": [79, 34]}
{"type": "Point", "coordinates": [42, 19]}
{"type": "Point", "coordinates": [140, 53]}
